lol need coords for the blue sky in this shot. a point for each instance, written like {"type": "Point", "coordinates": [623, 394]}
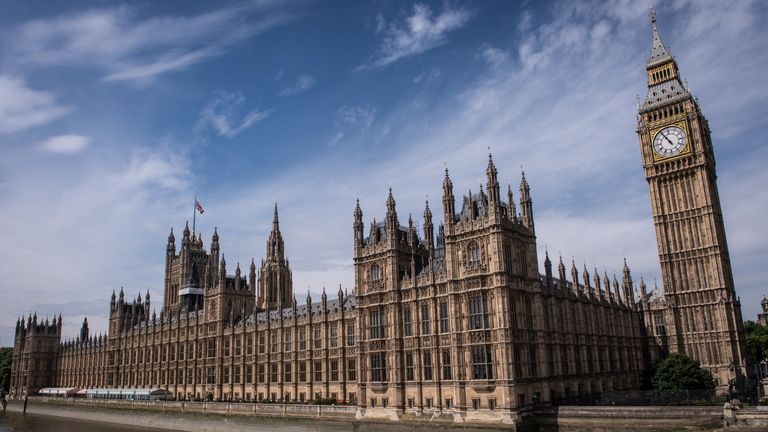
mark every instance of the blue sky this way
{"type": "Point", "coordinates": [114, 115]}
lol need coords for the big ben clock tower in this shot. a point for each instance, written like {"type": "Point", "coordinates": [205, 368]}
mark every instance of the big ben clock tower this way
{"type": "Point", "coordinates": [700, 312]}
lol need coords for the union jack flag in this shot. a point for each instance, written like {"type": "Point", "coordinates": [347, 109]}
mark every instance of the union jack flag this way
{"type": "Point", "coordinates": [198, 207]}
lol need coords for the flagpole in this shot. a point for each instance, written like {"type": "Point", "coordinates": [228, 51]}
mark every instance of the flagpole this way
{"type": "Point", "coordinates": [194, 213]}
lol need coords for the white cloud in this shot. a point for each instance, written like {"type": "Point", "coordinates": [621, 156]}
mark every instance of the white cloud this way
{"type": "Point", "coordinates": [356, 119]}
{"type": "Point", "coordinates": [65, 144]}
{"type": "Point", "coordinates": [222, 113]}
{"type": "Point", "coordinates": [22, 107]}
{"type": "Point", "coordinates": [302, 83]}
{"type": "Point", "coordinates": [420, 32]}
{"type": "Point", "coordinates": [128, 47]}
{"type": "Point", "coordinates": [494, 57]}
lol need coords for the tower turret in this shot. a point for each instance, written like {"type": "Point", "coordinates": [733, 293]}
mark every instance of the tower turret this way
{"type": "Point", "coordinates": [494, 190]}
{"type": "Point", "coordinates": [526, 203]}
{"type": "Point", "coordinates": [357, 226]}
{"type": "Point", "coordinates": [449, 202]}
{"type": "Point", "coordinates": [429, 230]}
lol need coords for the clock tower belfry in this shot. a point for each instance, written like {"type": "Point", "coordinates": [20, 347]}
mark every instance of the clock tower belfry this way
{"type": "Point", "coordinates": [699, 313]}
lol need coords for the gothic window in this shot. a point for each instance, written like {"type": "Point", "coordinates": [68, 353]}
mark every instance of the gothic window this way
{"type": "Point", "coordinates": [446, 365]}
{"type": "Point", "coordinates": [409, 366]}
{"type": "Point", "coordinates": [211, 348]}
{"type": "Point", "coordinates": [318, 338]}
{"type": "Point", "coordinates": [407, 321]}
{"type": "Point", "coordinates": [658, 319]}
{"type": "Point", "coordinates": [351, 334]}
{"type": "Point", "coordinates": [481, 362]}
{"type": "Point", "coordinates": [225, 373]}
{"type": "Point", "coordinates": [444, 325]}
{"type": "Point", "coordinates": [334, 370]}
{"type": "Point", "coordinates": [425, 330]}
{"type": "Point", "coordinates": [274, 348]}
{"type": "Point", "coordinates": [532, 363]}
{"type": "Point", "coordinates": [478, 312]}
{"type": "Point", "coordinates": [473, 254]}
{"type": "Point", "coordinates": [262, 343]}
{"type": "Point", "coordinates": [377, 323]}
{"type": "Point", "coordinates": [427, 360]}
{"type": "Point", "coordinates": [378, 366]}
{"type": "Point", "coordinates": [288, 340]}
{"type": "Point", "coordinates": [238, 346]}
{"type": "Point", "coordinates": [302, 338]}
{"type": "Point", "coordinates": [287, 372]}
{"type": "Point", "coordinates": [375, 274]}
{"type": "Point", "coordinates": [351, 370]}
{"type": "Point", "coordinates": [303, 371]}
{"type": "Point", "coordinates": [334, 339]}
{"type": "Point", "coordinates": [318, 371]}
{"type": "Point", "coordinates": [273, 372]}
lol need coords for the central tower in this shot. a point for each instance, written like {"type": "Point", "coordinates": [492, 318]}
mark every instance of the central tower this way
{"type": "Point", "coordinates": [275, 280]}
{"type": "Point", "coordinates": [702, 314]}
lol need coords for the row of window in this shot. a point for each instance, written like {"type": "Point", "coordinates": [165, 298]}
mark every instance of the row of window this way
{"type": "Point", "coordinates": [478, 318]}
{"type": "Point", "coordinates": [482, 365]}
{"type": "Point", "coordinates": [187, 349]}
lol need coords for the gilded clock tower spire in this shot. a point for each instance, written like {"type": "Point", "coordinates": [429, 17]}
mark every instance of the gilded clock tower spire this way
{"type": "Point", "coordinates": [700, 309]}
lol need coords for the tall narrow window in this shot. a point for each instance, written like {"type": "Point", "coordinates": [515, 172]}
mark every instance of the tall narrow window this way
{"type": "Point", "coordinates": [409, 366]}
{"type": "Point", "coordinates": [288, 340]}
{"type": "Point", "coordinates": [318, 338]}
{"type": "Point", "coordinates": [274, 348]}
{"type": "Point", "coordinates": [375, 274]}
{"type": "Point", "coordinates": [351, 370]}
{"type": "Point", "coordinates": [377, 323]}
{"type": "Point", "coordinates": [262, 343]}
{"type": "Point", "coordinates": [334, 338]}
{"type": "Point", "coordinates": [447, 375]}
{"type": "Point", "coordinates": [302, 338]}
{"type": "Point", "coordinates": [473, 254]}
{"type": "Point", "coordinates": [351, 334]}
{"type": "Point", "coordinates": [444, 326]}
{"type": "Point", "coordinates": [334, 370]}
{"type": "Point", "coordinates": [427, 360]}
{"type": "Point", "coordinates": [318, 371]}
{"type": "Point", "coordinates": [378, 366]}
{"type": "Point", "coordinates": [303, 371]}
{"type": "Point", "coordinates": [407, 321]}
{"type": "Point", "coordinates": [425, 330]}
{"type": "Point", "coordinates": [482, 367]}
{"type": "Point", "coordinates": [478, 312]}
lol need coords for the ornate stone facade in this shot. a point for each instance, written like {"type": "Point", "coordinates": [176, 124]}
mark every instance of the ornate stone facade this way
{"type": "Point", "coordinates": [457, 320]}
{"type": "Point", "coordinates": [699, 312]}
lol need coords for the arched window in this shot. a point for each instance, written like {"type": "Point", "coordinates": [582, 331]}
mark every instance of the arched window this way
{"type": "Point", "coordinates": [375, 273]}
{"type": "Point", "coordinates": [473, 254]}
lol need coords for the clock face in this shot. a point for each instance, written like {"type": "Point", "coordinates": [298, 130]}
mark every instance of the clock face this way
{"type": "Point", "coordinates": [669, 141]}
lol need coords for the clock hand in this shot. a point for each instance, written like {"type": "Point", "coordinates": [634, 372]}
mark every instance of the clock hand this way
{"type": "Point", "coordinates": [668, 140]}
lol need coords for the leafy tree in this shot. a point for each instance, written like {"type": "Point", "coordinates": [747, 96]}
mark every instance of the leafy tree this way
{"type": "Point", "coordinates": [757, 341]}
{"type": "Point", "coordinates": [680, 372]}
{"type": "Point", "coordinates": [5, 368]}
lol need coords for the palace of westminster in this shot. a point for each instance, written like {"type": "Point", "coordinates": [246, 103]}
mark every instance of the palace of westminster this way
{"type": "Point", "coordinates": [457, 319]}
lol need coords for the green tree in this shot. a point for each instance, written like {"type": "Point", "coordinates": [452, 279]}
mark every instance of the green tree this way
{"type": "Point", "coordinates": [757, 341]}
{"type": "Point", "coordinates": [5, 367]}
{"type": "Point", "coordinates": [680, 372]}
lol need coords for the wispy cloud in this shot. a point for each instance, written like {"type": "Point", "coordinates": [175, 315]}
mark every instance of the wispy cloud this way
{"type": "Point", "coordinates": [22, 107]}
{"type": "Point", "coordinates": [420, 32]}
{"type": "Point", "coordinates": [302, 83]}
{"type": "Point", "coordinates": [128, 47]}
{"type": "Point", "coordinates": [222, 113]}
{"type": "Point", "coordinates": [65, 144]}
{"type": "Point", "coordinates": [352, 119]}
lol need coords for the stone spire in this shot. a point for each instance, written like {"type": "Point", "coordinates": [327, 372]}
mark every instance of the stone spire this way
{"type": "Point", "coordinates": [275, 245]}
{"type": "Point", "coordinates": [494, 194]}
{"type": "Point", "coordinates": [512, 209]}
{"type": "Point", "coordinates": [449, 202]}
{"type": "Point", "coordinates": [526, 203]}
{"type": "Point", "coordinates": [429, 229]}
{"type": "Point", "coordinates": [659, 52]}
{"type": "Point", "coordinates": [547, 269]}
